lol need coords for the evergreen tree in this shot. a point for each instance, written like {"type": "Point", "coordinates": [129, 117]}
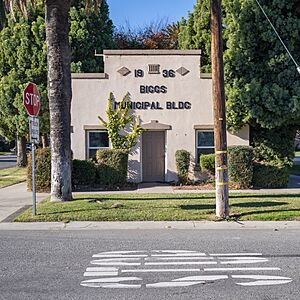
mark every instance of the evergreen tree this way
{"type": "Point", "coordinates": [90, 31]}
{"type": "Point", "coordinates": [23, 59]}
{"type": "Point", "coordinates": [195, 32]}
{"type": "Point", "coordinates": [261, 82]}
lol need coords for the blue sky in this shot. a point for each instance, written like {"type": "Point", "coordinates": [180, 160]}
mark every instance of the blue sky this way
{"type": "Point", "coordinates": [141, 12]}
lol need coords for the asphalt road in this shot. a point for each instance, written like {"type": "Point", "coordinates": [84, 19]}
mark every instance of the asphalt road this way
{"type": "Point", "coordinates": [7, 161]}
{"type": "Point", "coordinates": [163, 264]}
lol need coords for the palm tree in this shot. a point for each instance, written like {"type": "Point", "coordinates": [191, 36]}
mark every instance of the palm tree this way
{"type": "Point", "coordinates": [59, 89]}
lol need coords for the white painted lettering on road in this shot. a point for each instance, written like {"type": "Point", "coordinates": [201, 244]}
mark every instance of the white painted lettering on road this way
{"type": "Point", "coordinates": [112, 268]}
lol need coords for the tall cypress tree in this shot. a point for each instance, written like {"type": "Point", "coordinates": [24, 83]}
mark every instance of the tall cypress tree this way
{"type": "Point", "coordinates": [262, 83]}
{"type": "Point", "coordinates": [23, 59]}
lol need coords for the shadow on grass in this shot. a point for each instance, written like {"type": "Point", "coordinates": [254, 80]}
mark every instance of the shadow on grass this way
{"type": "Point", "coordinates": [264, 196]}
{"type": "Point", "coordinates": [197, 206]}
{"type": "Point", "coordinates": [259, 204]}
{"type": "Point", "coordinates": [246, 204]}
{"type": "Point", "coordinates": [249, 213]}
{"type": "Point", "coordinates": [171, 198]}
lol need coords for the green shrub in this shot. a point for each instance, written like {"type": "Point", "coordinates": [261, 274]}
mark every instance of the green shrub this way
{"type": "Point", "coordinates": [274, 146]}
{"type": "Point", "coordinates": [83, 173]}
{"type": "Point", "coordinates": [270, 176]}
{"type": "Point", "coordinates": [207, 163]}
{"type": "Point", "coordinates": [42, 170]}
{"type": "Point", "coordinates": [240, 165]}
{"type": "Point", "coordinates": [182, 163]}
{"type": "Point", "coordinates": [112, 165]}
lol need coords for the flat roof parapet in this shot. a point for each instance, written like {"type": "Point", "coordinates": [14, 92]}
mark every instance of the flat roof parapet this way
{"type": "Point", "coordinates": [89, 76]}
{"type": "Point", "coordinates": [152, 52]}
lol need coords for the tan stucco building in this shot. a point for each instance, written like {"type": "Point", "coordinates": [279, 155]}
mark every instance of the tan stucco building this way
{"type": "Point", "coordinates": [169, 94]}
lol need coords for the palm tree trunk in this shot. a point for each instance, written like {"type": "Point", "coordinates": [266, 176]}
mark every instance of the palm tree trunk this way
{"type": "Point", "coordinates": [60, 94]}
{"type": "Point", "coordinates": [21, 152]}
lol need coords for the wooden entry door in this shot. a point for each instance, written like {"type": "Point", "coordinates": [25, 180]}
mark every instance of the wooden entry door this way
{"type": "Point", "coordinates": [153, 156]}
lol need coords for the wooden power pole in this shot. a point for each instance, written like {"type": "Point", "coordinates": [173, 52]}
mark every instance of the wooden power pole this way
{"type": "Point", "coordinates": [218, 94]}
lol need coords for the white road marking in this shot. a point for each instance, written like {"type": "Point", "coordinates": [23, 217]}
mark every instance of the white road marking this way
{"type": "Point", "coordinates": [119, 255]}
{"type": "Point", "coordinates": [178, 255]}
{"type": "Point", "coordinates": [96, 269]}
{"type": "Point", "coordinates": [236, 254]}
{"type": "Point", "coordinates": [202, 278]}
{"type": "Point", "coordinates": [118, 259]}
{"type": "Point", "coordinates": [262, 280]}
{"type": "Point", "coordinates": [99, 262]}
{"type": "Point", "coordinates": [180, 263]}
{"type": "Point", "coordinates": [159, 270]}
{"type": "Point", "coordinates": [112, 285]}
{"type": "Point", "coordinates": [122, 252]}
{"type": "Point", "coordinates": [240, 269]}
{"type": "Point", "coordinates": [172, 284]}
{"type": "Point", "coordinates": [93, 274]}
{"type": "Point", "coordinates": [113, 264]}
{"type": "Point", "coordinates": [181, 257]}
{"type": "Point", "coordinates": [243, 262]}
{"type": "Point", "coordinates": [263, 277]}
{"type": "Point", "coordinates": [243, 258]}
{"type": "Point", "coordinates": [112, 279]}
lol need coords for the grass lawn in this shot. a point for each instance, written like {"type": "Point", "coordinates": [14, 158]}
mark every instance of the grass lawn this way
{"type": "Point", "coordinates": [165, 207]}
{"type": "Point", "coordinates": [5, 153]}
{"type": "Point", "coordinates": [12, 176]}
{"type": "Point", "coordinates": [297, 153]}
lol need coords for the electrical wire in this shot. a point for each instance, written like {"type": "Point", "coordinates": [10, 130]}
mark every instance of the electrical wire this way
{"type": "Point", "coordinates": [287, 50]}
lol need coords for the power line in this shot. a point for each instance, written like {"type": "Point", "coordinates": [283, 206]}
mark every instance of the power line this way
{"type": "Point", "coordinates": [287, 50]}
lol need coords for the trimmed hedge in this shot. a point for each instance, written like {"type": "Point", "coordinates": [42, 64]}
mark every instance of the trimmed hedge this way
{"type": "Point", "coordinates": [112, 165]}
{"type": "Point", "coordinates": [207, 163]}
{"type": "Point", "coordinates": [182, 164]}
{"type": "Point", "coordinates": [240, 165]}
{"type": "Point", "coordinates": [83, 173]}
{"type": "Point", "coordinates": [42, 170]}
{"type": "Point", "coordinates": [270, 176]}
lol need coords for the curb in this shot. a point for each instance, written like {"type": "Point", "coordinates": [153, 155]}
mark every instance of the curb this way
{"type": "Point", "coordinates": [155, 225]}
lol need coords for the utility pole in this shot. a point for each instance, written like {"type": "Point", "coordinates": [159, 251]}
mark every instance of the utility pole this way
{"type": "Point", "coordinates": [218, 94]}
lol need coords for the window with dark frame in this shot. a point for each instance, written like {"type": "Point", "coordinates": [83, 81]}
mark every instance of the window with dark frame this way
{"type": "Point", "coordinates": [96, 139]}
{"type": "Point", "coordinates": [204, 143]}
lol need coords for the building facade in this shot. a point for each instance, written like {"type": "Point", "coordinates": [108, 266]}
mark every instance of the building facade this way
{"type": "Point", "coordinates": [172, 98]}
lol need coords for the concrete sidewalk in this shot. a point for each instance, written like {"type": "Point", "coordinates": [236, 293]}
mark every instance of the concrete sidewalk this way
{"type": "Point", "coordinates": [148, 225]}
{"type": "Point", "coordinates": [14, 198]}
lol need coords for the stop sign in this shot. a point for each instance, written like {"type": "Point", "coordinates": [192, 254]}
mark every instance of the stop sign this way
{"type": "Point", "coordinates": [31, 98]}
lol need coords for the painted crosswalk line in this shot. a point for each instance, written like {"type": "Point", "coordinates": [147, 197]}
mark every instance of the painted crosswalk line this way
{"type": "Point", "coordinates": [110, 270]}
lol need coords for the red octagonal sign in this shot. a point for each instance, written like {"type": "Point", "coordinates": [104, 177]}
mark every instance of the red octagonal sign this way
{"type": "Point", "coordinates": [31, 98]}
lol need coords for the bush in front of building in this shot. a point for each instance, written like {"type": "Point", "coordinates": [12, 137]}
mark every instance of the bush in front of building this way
{"type": "Point", "coordinates": [42, 170]}
{"type": "Point", "coordinates": [112, 165]}
{"type": "Point", "coordinates": [182, 164]}
{"type": "Point", "coordinates": [240, 166]}
{"type": "Point", "coordinates": [83, 173]}
{"type": "Point", "coordinates": [207, 163]}
{"type": "Point", "coordinates": [268, 175]}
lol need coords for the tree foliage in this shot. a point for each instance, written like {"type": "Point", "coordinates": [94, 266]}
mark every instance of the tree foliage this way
{"type": "Point", "coordinates": [122, 126]}
{"type": "Point", "coordinates": [195, 32]}
{"type": "Point", "coordinates": [262, 83]}
{"type": "Point", "coordinates": [22, 59]}
{"type": "Point", "coordinates": [156, 35]}
{"type": "Point", "coordinates": [90, 31]}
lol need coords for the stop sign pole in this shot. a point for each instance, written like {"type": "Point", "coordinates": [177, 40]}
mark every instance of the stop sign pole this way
{"type": "Point", "coordinates": [31, 98]}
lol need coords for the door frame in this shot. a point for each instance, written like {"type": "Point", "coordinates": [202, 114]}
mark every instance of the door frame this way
{"type": "Point", "coordinates": [165, 153]}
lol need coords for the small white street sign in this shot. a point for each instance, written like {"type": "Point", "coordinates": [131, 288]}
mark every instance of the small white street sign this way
{"type": "Point", "coordinates": [34, 130]}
